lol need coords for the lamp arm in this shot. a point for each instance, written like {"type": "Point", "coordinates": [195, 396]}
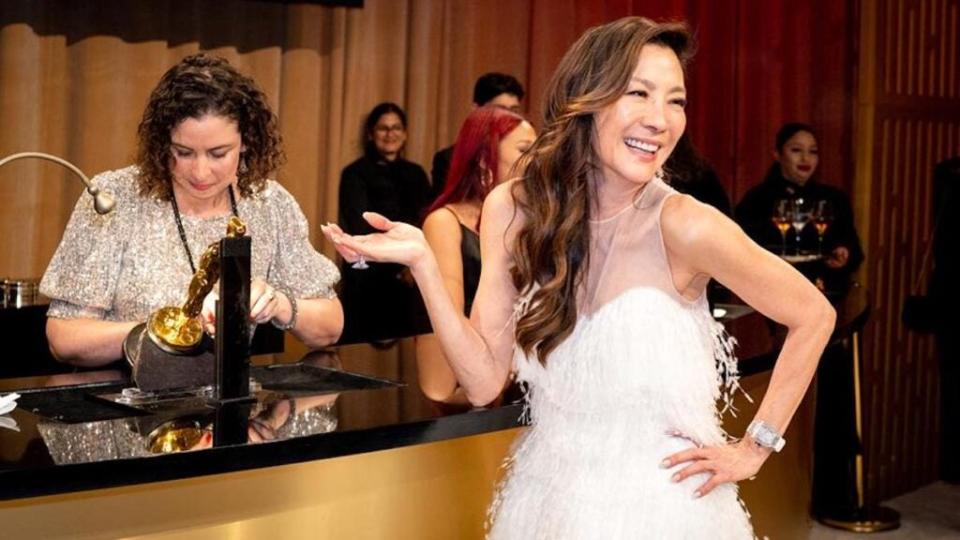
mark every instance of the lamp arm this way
{"type": "Point", "coordinates": [103, 202]}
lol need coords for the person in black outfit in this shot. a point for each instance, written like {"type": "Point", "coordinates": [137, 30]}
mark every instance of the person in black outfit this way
{"type": "Point", "coordinates": [792, 177]}
{"type": "Point", "coordinates": [945, 293]}
{"type": "Point", "coordinates": [380, 181]}
{"type": "Point", "coordinates": [496, 89]}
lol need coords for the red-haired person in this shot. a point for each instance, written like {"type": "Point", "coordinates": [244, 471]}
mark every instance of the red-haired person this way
{"type": "Point", "coordinates": [490, 142]}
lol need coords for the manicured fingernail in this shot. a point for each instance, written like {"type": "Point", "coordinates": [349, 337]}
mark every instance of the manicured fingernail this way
{"type": "Point", "coordinates": [697, 494]}
{"type": "Point", "coordinates": [665, 463]}
{"type": "Point", "coordinates": [676, 477]}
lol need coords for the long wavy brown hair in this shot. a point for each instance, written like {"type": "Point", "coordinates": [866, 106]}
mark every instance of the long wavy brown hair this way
{"type": "Point", "coordinates": [555, 195]}
{"type": "Point", "coordinates": [205, 84]}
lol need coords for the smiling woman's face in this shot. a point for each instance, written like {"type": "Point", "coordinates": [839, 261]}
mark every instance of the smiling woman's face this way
{"type": "Point", "coordinates": [636, 133]}
{"type": "Point", "coordinates": [389, 135]}
{"type": "Point", "coordinates": [799, 157]}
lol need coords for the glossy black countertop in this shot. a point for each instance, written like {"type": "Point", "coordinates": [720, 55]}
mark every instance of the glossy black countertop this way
{"type": "Point", "coordinates": [55, 448]}
{"type": "Point", "coordinates": [360, 398]}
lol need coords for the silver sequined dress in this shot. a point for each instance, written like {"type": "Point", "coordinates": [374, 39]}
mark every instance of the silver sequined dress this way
{"type": "Point", "coordinates": [130, 262]}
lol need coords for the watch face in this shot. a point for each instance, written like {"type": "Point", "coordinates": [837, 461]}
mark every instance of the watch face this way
{"type": "Point", "coordinates": [766, 438]}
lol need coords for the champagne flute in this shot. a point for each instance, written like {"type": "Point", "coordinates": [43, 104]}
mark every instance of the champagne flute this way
{"type": "Point", "coordinates": [801, 216]}
{"type": "Point", "coordinates": [822, 217]}
{"type": "Point", "coordinates": [782, 216]}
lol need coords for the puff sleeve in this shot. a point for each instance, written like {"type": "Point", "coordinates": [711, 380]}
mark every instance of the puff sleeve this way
{"type": "Point", "coordinates": [81, 278]}
{"type": "Point", "coordinates": [297, 265]}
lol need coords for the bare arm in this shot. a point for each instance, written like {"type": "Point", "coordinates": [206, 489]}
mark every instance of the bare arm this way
{"type": "Point", "coordinates": [706, 242]}
{"type": "Point", "coordinates": [319, 320]}
{"type": "Point", "coordinates": [87, 342]}
{"type": "Point", "coordinates": [701, 241]}
{"type": "Point", "coordinates": [442, 232]}
{"type": "Point", "coordinates": [479, 350]}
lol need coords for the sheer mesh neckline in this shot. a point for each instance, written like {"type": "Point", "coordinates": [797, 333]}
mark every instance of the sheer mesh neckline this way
{"type": "Point", "coordinates": [634, 203]}
{"type": "Point", "coordinates": [627, 251]}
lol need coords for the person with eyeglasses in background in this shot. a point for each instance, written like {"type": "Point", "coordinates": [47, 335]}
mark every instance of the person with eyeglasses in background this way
{"type": "Point", "coordinates": [377, 300]}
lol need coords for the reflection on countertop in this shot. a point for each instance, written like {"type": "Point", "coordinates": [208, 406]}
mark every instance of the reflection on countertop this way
{"type": "Point", "coordinates": [274, 417]}
{"type": "Point", "coordinates": [338, 402]}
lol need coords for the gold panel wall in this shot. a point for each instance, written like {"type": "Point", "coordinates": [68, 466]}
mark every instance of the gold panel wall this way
{"type": "Point", "coordinates": [908, 120]}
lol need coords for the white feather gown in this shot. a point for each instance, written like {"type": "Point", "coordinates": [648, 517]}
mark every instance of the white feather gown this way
{"type": "Point", "coordinates": [641, 363]}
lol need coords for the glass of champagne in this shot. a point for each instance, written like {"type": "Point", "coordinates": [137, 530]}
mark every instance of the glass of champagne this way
{"type": "Point", "coordinates": [782, 216]}
{"type": "Point", "coordinates": [822, 218]}
{"type": "Point", "coordinates": [801, 216]}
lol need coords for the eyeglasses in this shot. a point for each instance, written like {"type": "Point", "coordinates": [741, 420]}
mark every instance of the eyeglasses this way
{"type": "Point", "coordinates": [383, 130]}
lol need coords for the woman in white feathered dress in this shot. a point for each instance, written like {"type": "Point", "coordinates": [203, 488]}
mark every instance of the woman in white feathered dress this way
{"type": "Point", "coordinates": [592, 292]}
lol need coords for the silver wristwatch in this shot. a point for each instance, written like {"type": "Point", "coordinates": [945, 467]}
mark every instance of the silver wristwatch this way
{"type": "Point", "coordinates": [765, 436]}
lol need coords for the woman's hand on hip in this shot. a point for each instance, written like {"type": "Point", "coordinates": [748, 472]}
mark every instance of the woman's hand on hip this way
{"type": "Point", "coordinates": [727, 463]}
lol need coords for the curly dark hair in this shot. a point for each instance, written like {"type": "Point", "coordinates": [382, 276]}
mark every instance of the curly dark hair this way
{"type": "Point", "coordinates": [205, 84]}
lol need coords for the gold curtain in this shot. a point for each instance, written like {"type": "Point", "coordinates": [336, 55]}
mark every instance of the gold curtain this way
{"type": "Point", "coordinates": [75, 76]}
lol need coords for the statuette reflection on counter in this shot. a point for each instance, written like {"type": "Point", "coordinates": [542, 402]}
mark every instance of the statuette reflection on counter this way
{"type": "Point", "coordinates": [177, 330]}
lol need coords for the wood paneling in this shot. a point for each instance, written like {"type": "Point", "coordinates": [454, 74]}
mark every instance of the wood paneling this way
{"type": "Point", "coordinates": [909, 119]}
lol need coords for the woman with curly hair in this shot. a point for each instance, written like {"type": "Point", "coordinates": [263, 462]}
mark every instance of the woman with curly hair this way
{"type": "Point", "coordinates": [592, 293]}
{"type": "Point", "coordinates": [207, 144]}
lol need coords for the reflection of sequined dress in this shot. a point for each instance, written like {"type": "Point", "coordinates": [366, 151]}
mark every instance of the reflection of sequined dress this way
{"type": "Point", "coordinates": [641, 361]}
{"type": "Point", "coordinates": [130, 262]}
{"type": "Point", "coordinates": [120, 439]}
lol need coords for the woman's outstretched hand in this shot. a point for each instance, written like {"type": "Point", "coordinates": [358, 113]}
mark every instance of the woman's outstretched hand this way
{"type": "Point", "coordinates": [728, 463]}
{"type": "Point", "coordinates": [398, 243]}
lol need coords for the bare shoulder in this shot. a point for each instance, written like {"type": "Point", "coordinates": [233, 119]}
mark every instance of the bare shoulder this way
{"type": "Point", "coordinates": [441, 221]}
{"type": "Point", "coordinates": [441, 216]}
{"type": "Point", "coordinates": [688, 224]}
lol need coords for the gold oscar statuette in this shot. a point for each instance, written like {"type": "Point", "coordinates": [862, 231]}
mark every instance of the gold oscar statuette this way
{"type": "Point", "coordinates": [175, 435]}
{"type": "Point", "coordinates": [177, 330]}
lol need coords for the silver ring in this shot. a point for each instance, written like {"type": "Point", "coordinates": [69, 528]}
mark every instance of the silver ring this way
{"type": "Point", "coordinates": [361, 264]}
